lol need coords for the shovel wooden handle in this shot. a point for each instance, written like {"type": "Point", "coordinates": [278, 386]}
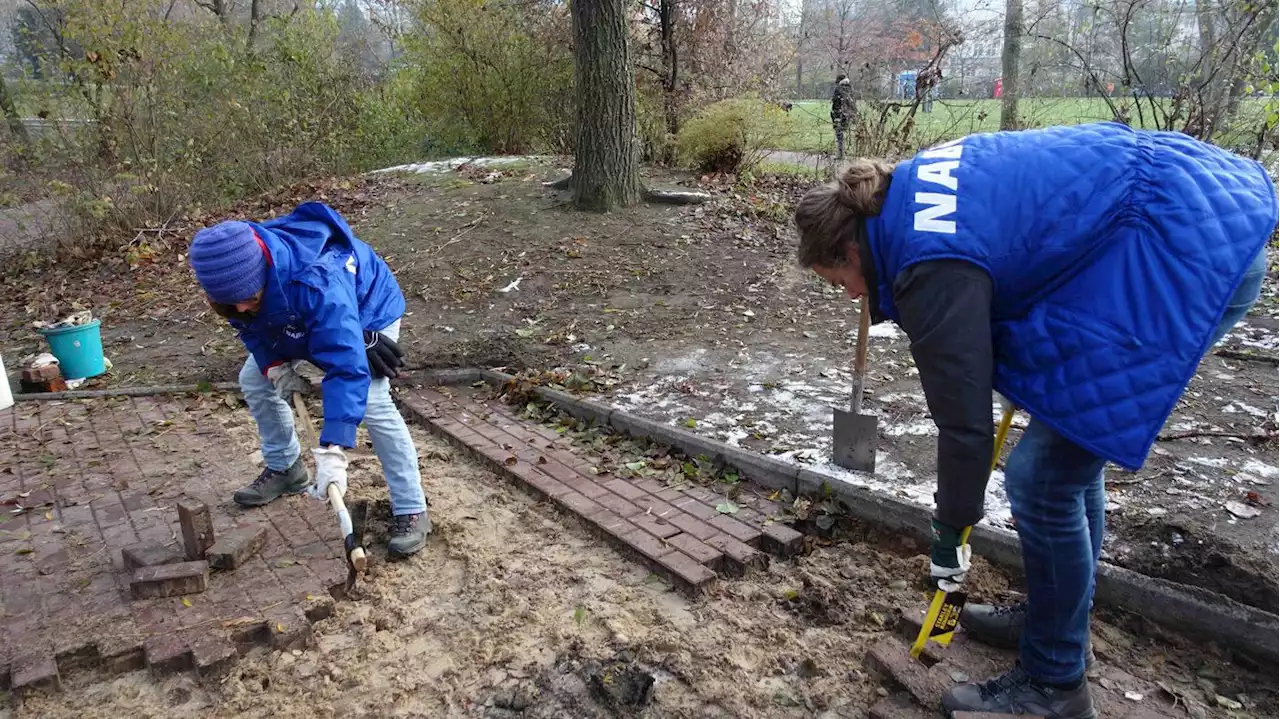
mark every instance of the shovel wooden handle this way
{"type": "Point", "coordinates": [357, 556]}
{"type": "Point", "coordinates": [860, 357]}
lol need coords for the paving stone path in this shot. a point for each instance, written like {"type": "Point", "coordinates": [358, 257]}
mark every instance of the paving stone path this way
{"type": "Point", "coordinates": [80, 482]}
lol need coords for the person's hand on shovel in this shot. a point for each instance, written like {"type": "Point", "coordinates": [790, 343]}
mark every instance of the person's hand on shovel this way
{"type": "Point", "coordinates": [331, 470]}
{"type": "Point", "coordinates": [949, 557]}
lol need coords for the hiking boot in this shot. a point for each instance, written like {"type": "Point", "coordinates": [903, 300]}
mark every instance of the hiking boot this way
{"type": "Point", "coordinates": [408, 534]}
{"type": "Point", "coordinates": [1015, 693]}
{"type": "Point", "coordinates": [271, 485]}
{"type": "Point", "coordinates": [1002, 627]}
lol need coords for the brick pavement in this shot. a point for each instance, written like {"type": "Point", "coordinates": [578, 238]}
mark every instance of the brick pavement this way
{"type": "Point", "coordinates": [82, 481]}
{"type": "Point", "coordinates": [675, 530]}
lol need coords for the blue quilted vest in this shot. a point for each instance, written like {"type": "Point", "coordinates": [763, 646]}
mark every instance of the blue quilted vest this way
{"type": "Point", "coordinates": [1112, 252]}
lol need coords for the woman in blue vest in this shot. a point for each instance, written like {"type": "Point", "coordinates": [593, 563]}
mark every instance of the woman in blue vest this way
{"type": "Point", "coordinates": [1082, 272]}
{"type": "Point", "coordinates": [302, 287]}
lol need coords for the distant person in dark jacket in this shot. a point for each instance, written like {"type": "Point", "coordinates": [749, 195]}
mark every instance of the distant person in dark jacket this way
{"type": "Point", "coordinates": [1081, 272]}
{"type": "Point", "coordinates": [843, 110]}
{"type": "Point", "coordinates": [302, 287]}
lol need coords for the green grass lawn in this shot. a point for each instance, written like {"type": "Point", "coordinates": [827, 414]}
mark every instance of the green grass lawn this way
{"type": "Point", "coordinates": [810, 121]}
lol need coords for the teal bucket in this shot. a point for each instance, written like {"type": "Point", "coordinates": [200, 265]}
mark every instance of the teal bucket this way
{"type": "Point", "coordinates": [78, 349]}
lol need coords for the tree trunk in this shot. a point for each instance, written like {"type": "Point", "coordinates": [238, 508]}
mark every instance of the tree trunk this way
{"type": "Point", "coordinates": [670, 64]}
{"type": "Point", "coordinates": [254, 16]}
{"type": "Point", "coordinates": [606, 169]}
{"type": "Point", "coordinates": [16, 128]}
{"type": "Point", "coordinates": [1009, 64]}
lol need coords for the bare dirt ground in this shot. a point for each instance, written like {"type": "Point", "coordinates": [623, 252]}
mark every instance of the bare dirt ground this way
{"type": "Point", "coordinates": [692, 315]}
{"type": "Point", "coordinates": [514, 610]}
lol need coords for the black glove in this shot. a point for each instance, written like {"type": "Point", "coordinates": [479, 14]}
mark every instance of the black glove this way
{"type": "Point", "coordinates": [385, 357]}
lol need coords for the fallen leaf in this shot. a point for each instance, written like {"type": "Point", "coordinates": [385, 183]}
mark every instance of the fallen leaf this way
{"type": "Point", "coordinates": [279, 628]}
{"type": "Point", "coordinates": [1227, 702]}
{"type": "Point", "coordinates": [727, 507]}
{"type": "Point", "coordinates": [691, 422]}
{"type": "Point", "coordinates": [186, 602]}
{"type": "Point", "coordinates": [1133, 696]}
{"type": "Point", "coordinates": [510, 461]}
{"type": "Point", "coordinates": [24, 550]}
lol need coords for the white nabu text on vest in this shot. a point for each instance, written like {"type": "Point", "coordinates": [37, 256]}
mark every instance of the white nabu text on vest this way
{"type": "Point", "coordinates": [938, 205]}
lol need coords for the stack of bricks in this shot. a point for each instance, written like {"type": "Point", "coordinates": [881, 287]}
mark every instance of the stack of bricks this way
{"type": "Point", "coordinates": [676, 530]}
{"type": "Point", "coordinates": [161, 572]}
{"type": "Point", "coordinates": [43, 378]}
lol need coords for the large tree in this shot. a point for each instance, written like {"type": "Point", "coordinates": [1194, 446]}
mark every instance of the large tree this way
{"type": "Point", "coordinates": [606, 167]}
{"type": "Point", "coordinates": [1010, 65]}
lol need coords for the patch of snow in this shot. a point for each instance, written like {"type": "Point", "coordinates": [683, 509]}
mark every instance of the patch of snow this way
{"type": "Point", "coordinates": [918, 428]}
{"type": "Point", "coordinates": [887, 330]}
{"type": "Point", "coordinates": [1215, 462]}
{"type": "Point", "coordinates": [1253, 466]}
{"type": "Point", "coordinates": [453, 163]}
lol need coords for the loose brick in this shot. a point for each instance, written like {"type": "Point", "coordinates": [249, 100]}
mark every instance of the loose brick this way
{"type": "Point", "coordinates": [739, 557]}
{"type": "Point", "coordinates": [655, 525]}
{"type": "Point", "coordinates": [35, 671]}
{"type": "Point", "coordinates": [238, 546]}
{"type": "Point", "coordinates": [618, 505]}
{"type": "Point", "coordinates": [892, 658]}
{"type": "Point", "coordinates": [170, 580]}
{"type": "Point", "coordinates": [581, 506]}
{"type": "Point", "coordinates": [197, 528]}
{"type": "Point", "coordinates": [689, 524]}
{"type": "Point", "coordinates": [736, 529]}
{"type": "Point", "coordinates": [148, 555]}
{"type": "Point", "coordinates": [696, 576]}
{"type": "Point", "coordinates": [780, 539]}
{"type": "Point", "coordinates": [701, 552]}
{"type": "Point", "coordinates": [624, 489]}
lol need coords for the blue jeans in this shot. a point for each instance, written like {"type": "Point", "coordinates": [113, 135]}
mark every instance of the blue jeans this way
{"type": "Point", "coordinates": [1056, 491]}
{"type": "Point", "coordinates": [391, 440]}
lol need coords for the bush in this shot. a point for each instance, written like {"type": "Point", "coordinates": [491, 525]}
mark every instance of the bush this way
{"type": "Point", "coordinates": [494, 76]}
{"type": "Point", "coordinates": [731, 135]}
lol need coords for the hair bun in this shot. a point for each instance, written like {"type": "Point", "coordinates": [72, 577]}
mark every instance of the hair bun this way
{"type": "Point", "coordinates": [862, 186]}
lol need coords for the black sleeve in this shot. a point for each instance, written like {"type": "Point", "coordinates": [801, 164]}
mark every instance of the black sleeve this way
{"type": "Point", "coordinates": [945, 308]}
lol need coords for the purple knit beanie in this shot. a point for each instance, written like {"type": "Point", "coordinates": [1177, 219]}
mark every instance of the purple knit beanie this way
{"type": "Point", "coordinates": [229, 262]}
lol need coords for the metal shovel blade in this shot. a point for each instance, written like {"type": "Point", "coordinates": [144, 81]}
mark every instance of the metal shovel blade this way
{"type": "Point", "coordinates": [853, 441]}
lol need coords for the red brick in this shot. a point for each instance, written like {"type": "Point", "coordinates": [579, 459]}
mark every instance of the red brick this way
{"type": "Point", "coordinates": [212, 655]}
{"type": "Point", "coordinates": [170, 580]}
{"type": "Point", "coordinates": [237, 547]}
{"type": "Point", "coordinates": [289, 629]}
{"type": "Point", "coordinates": [686, 569]}
{"type": "Point", "coordinates": [892, 658]}
{"type": "Point", "coordinates": [34, 671]}
{"type": "Point", "coordinates": [624, 489]}
{"type": "Point", "coordinates": [655, 506]}
{"type": "Point", "coordinates": [692, 525]}
{"type": "Point", "coordinates": [696, 507]}
{"type": "Point", "coordinates": [540, 481]}
{"type": "Point", "coordinates": [79, 652]}
{"type": "Point", "coordinates": [612, 524]}
{"type": "Point", "coordinates": [655, 525]}
{"type": "Point", "coordinates": [585, 485]}
{"type": "Point", "coordinates": [647, 544]}
{"type": "Point", "coordinates": [580, 504]}
{"type": "Point", "coordinates": [691, 546]}
{"type": "Point", "coordinates": [197, 528]}
{"type": "Point", "coordinates": [619, 505]}
{"type": "Point", "coordinates": [739, 557]}
{"type": "Point", "coordinates": [167, 653]}
{"type": "Point", "coordinates": [736, 529]}
{"type": "Point", "coordinates": [781, 540]}
{"type": "Point", "coordinates": [148, 555]}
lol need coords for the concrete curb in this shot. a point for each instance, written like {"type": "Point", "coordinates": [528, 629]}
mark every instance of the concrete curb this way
{"type": "Point", "coordinates": [1188, 610]}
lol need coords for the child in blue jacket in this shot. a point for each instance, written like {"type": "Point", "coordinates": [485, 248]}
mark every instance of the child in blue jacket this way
{"type": "Point", "coordinates": [302, 287]}
{"type": "Point", "coordinates": [1082, 272]}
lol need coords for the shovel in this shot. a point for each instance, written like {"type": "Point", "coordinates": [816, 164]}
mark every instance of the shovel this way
{"type": "Point", "coordinates": [357, 561]}
{"type": "Point", "coordinates": [854, 436]}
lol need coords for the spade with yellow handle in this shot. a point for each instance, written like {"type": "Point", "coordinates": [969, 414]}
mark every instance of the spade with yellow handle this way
{"type": "Point", "coordinates": [944, 612]}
